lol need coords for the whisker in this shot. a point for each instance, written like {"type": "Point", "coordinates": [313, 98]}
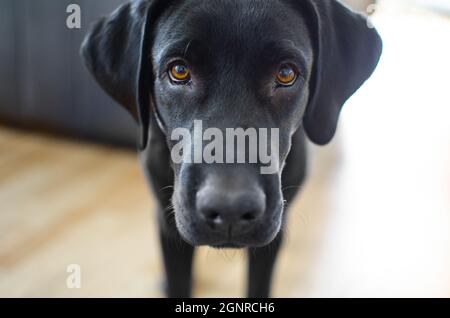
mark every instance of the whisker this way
{"type": "Point", "coordinates": [166, 188]}
{"type": "Point", "coordinates": [290, 187]}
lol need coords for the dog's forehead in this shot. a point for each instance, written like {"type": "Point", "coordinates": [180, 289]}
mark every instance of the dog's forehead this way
{"type": "Point", "coordinates": [245, 24]}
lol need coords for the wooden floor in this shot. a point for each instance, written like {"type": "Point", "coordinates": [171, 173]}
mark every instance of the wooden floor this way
{"type": "Point", "coordinates": [65, 203]}
{"type": "Point", "coordinates": [373, 220]}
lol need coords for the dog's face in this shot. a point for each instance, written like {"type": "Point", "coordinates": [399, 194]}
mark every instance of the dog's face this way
{"type": "Point", "coordinates": [242, 66]}
{"type": "Point", "coordinates": [233, 64]}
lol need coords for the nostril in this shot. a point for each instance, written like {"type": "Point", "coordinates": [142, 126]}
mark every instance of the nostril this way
{"type": "Point", "coordinates": [212, 215]}
{"type": "Point", "coordinates": [249, 216]}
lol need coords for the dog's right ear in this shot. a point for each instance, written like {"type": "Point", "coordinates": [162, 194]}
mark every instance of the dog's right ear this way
{"type": "Point", "coordinates": [117, 53]}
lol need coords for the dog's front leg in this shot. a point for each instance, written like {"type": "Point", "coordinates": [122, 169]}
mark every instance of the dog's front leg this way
{"type": "Point", "coordinates": [177, 257]}
{"type": "Point", "coordinates": [260, 270]}
{"type": "Point", "coordinates": [177, 254]}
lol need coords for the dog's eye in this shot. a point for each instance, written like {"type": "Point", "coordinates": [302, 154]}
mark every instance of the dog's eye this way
{"type": "Point", "coordinates": [286, 75]}
{"type": "Point", "coordinates": [179, 73]}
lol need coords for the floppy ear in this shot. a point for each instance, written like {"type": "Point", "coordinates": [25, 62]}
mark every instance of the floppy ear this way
{"type": "Point", "coordinates": [117, 53]}
{"type": "Point", "coordinates": [346, 52]}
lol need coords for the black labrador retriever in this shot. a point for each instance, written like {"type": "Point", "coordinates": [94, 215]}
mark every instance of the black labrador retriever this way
{"type": "Point", "coordinates": [285, 64]}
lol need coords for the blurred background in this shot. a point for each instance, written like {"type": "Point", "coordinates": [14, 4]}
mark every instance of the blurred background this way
{"type": "Point", "coordinates": [373, 219]}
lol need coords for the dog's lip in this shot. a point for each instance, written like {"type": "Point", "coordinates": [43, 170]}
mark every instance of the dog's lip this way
{"type": "Point", "coordinates": [228, 245]}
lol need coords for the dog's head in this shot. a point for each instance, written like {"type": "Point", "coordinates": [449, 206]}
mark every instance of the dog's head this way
{"type": "Point", "coordinates": [202, 67]}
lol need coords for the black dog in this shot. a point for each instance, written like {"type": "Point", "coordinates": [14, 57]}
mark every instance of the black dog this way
{"type": "Point", "coordinates": [287, 64]}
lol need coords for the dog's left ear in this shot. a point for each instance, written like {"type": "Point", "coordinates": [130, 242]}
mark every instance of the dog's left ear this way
{"type": "Point", "coordinates": [346, 52]}
{"type": "Point", "coordinates": [117, 53]}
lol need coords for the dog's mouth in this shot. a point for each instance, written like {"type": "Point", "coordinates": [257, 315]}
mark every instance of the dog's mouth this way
{"type": "Point", "coordinates": [228, 208]}
{"type": "Point", "coordinates": [228, 246]}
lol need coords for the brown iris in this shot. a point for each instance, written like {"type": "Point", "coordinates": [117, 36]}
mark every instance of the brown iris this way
{"type": "Point", "coordinates": [179, 72]}
{"type": "Point", "coordinates": [286, 75]}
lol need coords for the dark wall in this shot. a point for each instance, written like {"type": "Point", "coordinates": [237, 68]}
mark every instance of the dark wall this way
{"type": "Point", "coordinates": [42, 79]}
{"type": "Point", "coordinates": [8, 79]}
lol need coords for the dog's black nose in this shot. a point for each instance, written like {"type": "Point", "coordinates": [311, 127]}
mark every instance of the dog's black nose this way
{"type": "Point", "coordinates": [233, 210]}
